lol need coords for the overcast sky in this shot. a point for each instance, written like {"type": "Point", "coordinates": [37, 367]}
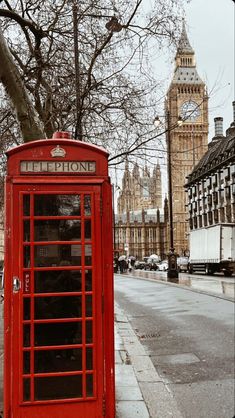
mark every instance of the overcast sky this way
{"type": "Point", "coordinates": [210, 27]}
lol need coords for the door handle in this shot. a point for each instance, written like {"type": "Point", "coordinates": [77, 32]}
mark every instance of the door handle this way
{"type": "Point", "coordinates": [16, 284]}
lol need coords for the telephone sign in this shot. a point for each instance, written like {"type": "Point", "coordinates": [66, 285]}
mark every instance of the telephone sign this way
{"type": "Point", "coordinates": [86, 167]}
{"type": "Point", "coordinates": [59, 343]}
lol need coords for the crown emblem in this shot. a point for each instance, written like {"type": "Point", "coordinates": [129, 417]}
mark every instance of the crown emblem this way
{"type": "Point", "coordinates": [58, 152]}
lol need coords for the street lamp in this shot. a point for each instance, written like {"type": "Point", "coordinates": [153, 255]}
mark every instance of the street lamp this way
{"type": "Point", "coordinates": [172, 273]}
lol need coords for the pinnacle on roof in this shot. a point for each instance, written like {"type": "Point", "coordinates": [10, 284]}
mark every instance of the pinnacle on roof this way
{"type": "Point", "coordinates": [146, 172]}
{"type": "Point", "coordinates": [184, 46]}
{"type": "Point", "coordinates": [135, 170]}
{"type": "Point", "coordinates": [126, 165]}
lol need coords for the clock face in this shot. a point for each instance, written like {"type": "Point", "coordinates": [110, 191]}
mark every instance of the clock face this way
{"type": "Point", "coordinates": [190, 111]}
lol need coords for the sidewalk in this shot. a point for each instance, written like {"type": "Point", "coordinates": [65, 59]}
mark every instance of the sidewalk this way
{"type": "Point", "coordinates": [140, 391]}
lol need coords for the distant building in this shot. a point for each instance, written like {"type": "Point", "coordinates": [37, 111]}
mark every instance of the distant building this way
{"type": "Point", "coordinates": [141, 222]}
{"type": "Point", "coordinates": [140, 190]}
{"type": "Point", "coordinates": [211, 184]}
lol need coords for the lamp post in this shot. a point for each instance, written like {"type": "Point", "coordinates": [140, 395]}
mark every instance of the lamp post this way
{"type": "Point", "coordinates": [172, 273]}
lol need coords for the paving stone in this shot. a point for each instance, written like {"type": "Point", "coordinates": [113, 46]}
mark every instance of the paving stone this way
{"type": "Point", "coordinates": [122, 326]}
{"type": "Point", "coordinates": [131, 409]}
{"type": "Point", "coordinates": [119, 345]}
{"type": "Point", "coordinates": [118, 358]}
{"type": "Point", "coordinates": [131, 393]}
{"type": "Point", "coordinates": [126, 332]}
{"type": "Point", "coordinates": [133, 348]}
{"type": "Point", "coordinates": [125, 375]}
{"type": "Point", "coordinates": [121, 318]}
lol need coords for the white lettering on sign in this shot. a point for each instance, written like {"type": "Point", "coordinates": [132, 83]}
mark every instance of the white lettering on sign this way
{"type": "Point", "coordinates": [58, 167]}
{"type": "Point", "coordinates": [27, 283]}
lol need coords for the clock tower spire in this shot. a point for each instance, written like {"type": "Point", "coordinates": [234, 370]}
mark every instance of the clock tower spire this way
{"type": "Point", "coordinates": [185, 53]}
{"type": "Point", "coordinates": [186, 97]}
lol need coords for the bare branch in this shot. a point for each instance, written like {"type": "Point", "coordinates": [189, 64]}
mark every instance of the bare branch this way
{"type": "Point", "coordinates": [38, 32]}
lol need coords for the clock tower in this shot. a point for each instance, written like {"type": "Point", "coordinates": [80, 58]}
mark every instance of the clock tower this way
{"type": "Point", "coordinates": [187, 98]}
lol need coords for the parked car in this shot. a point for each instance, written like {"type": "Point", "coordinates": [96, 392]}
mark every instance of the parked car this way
{"type": "Point", "coordinates": [140, 265]}
{"type": "Point", "coordinates": [151, 265]}
{"type": "Point", "coordinates": [163, 265]}
{"type": "Point", "coordinates": [183, 264]}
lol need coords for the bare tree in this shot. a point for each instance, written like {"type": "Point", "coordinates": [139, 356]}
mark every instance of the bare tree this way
{"type": "Point", "coordinates": [84, 67]}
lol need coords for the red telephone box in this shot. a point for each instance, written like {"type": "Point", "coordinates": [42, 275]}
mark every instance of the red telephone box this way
{"type": "Point", "coordinates": [59, 344]}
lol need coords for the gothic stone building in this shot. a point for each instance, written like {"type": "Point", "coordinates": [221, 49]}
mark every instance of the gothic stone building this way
{"type": "Point", "coordinates": [141, 223]}
{"type": "Point", "coordinates": [140, 191]}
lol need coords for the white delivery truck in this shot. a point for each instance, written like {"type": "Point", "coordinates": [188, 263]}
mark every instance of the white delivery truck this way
{"type": "Point", "coordinates": [212, 249]}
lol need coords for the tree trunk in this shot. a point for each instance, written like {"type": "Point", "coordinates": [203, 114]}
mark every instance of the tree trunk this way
{"type": "Point", "coordinates": [28, 119]}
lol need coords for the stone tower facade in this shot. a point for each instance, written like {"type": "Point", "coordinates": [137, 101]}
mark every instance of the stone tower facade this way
{"type": "Point", "coordinates": [140, 190]}
{"type": "Point", "coordinates": [187, 98]}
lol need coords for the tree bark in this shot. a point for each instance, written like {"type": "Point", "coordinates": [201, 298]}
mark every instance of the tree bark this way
{"type": "Point", "coordinates": [30, 125]}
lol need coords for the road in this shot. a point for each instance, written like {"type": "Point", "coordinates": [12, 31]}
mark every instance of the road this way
{"type": "Point", "coordinates": [190, 339]}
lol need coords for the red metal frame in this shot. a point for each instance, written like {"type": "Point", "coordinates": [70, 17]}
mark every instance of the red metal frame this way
{"type": "Point", "coordinates": [102, 403]}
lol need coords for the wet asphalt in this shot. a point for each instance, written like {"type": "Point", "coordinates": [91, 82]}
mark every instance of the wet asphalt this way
{"type": "Point", "coordinates": [213, 285]}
